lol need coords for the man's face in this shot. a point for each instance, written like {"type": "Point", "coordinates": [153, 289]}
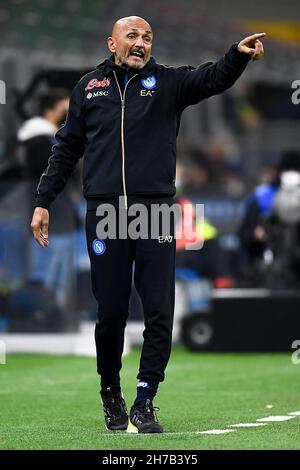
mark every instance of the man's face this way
{"type": "Point", "coordinates": [131, 42]}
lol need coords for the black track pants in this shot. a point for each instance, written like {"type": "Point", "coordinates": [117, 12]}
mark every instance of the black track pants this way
{"type": "Point", "coordinates": [111, 274]}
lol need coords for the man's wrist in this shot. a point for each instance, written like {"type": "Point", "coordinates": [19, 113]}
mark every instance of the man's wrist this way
{"type": "Point", "coordinates": [242, 56]}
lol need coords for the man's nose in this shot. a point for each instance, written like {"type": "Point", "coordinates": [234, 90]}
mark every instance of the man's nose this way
{"type": "Point", "coordinates": [139, 42]}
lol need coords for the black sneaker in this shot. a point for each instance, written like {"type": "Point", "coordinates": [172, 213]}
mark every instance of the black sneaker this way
{"type": "Point", "coordinates": [143, 418]}
{"type": "Point", "coordinates": [115, 411]}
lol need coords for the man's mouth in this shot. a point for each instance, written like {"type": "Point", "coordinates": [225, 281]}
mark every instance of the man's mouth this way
{"type": "Point", "coordinates": [139, 54]}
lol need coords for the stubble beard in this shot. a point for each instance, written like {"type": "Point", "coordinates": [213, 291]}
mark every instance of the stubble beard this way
{"type": "Point", "coordinates": [125, 65]}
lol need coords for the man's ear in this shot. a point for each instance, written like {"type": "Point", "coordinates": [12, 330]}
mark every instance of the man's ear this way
{"type": "Point", "coordinates": [111, 44]}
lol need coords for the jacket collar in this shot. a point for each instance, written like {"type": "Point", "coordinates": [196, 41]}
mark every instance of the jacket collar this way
{"type": "Point", "coordinates": [108, 65]}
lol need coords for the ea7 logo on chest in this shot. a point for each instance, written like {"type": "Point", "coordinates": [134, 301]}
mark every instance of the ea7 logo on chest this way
{"type": "Point", "coordinates": [147, 92]}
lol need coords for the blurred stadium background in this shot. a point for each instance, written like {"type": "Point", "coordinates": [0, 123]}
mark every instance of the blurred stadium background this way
{"type": "Point", "coordinates": [227, 146]}
{"type": "Point", "coordinates": [241, 293]}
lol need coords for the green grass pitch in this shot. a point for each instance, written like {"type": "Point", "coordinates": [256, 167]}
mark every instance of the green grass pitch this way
{"type": "Point", "coordinates": [52, 402]}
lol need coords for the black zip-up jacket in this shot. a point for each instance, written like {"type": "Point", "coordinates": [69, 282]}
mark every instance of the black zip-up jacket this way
{"type": "Point", "coordinates": [127, 134]}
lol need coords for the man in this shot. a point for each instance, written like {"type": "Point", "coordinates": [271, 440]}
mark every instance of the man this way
{"type": "Point", "coordinates": [124, 117]}
{"type": "Point", "coordinates": [52, 268]}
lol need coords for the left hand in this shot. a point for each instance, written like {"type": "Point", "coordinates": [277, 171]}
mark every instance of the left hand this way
{"type": "Point", "coordinates": [251, 45]}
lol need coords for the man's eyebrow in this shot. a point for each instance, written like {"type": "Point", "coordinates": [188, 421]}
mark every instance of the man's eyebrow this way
{"type": "Point", "coordinates": [148, 31]}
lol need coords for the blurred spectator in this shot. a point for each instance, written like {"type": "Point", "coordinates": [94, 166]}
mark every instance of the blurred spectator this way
{"type": "Point", "coordinates": [53, 267]}
{"type": "Point", "coordinates": [37, 134]}
{"type": "Point", "coordinates": [270, 230]}
{"type": "Point", "coordinates": [266, 175]}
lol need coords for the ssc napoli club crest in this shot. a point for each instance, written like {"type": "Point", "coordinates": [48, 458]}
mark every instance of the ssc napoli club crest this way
{"type": "Point", "coordinates": [99, 247]}
{"type": "Point", "coordinates": [149, 82]}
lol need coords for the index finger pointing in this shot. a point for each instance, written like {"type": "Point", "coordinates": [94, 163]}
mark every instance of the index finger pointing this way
{"type": "Point", "coordinates": [258, 35]}
{"type": "Point", "coordinates": [252, 38]}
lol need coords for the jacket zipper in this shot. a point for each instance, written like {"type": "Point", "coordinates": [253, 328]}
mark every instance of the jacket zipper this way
{"type": "Point", "coordinates": [122, 135]}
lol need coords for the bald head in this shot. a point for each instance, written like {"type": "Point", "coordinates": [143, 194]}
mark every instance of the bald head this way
{"type": "Point", "coordinates": [127, 22]}
{"type": "Point", "coordinates": [131, 42]}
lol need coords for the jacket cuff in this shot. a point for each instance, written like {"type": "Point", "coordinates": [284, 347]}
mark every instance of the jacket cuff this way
{"type": "Point", "coordinates": [42, 201]}
{"type": "Point", "coordinates": [237, 55]}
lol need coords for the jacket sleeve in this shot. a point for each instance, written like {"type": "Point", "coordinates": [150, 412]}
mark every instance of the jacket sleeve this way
{"type": "Point", "coordinates": [66, 152]}
{"type": "Point", "coordinates": [194, 85]}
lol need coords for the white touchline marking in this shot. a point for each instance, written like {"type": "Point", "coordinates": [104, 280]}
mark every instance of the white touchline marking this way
{"type": "Point", "coordinates": [126, 434]}
{"type": "Point", "coordinates": [216, 431]}
{"type": "Point", "coordinates": [247, 425]}
{"type": "Point", "coordinates": [259, 422]}
{"type": "Point", "coordinates": [276, 418]}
